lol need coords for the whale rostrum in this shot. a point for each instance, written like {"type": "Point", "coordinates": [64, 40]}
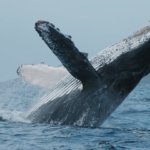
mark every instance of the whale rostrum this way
{"type": "Point", "coordinates": [94, 88]}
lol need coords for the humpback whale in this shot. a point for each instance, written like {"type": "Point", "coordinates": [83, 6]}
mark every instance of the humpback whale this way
{"type": "Point", "coordinates": [94, 88]}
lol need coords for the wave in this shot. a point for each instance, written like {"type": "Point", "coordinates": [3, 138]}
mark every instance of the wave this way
{"type": "Point", "coordinates": [41, 74]}
{"type": "Point", "coordinates": [13, 116]}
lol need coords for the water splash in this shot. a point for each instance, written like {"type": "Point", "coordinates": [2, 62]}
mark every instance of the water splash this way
{"type": "Point", "coordinates": [13, 116]}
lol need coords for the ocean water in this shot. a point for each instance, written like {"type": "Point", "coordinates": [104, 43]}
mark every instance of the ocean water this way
{"type": "Point", "coordinates": [127, 128]}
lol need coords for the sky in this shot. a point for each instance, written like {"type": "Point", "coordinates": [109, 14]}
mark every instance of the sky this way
{"type": "Point", "coordinates": [93, 25]}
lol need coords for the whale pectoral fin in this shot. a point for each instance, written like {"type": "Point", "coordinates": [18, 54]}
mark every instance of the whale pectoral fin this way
{"type": "Point", "coordinates": [75, 61]}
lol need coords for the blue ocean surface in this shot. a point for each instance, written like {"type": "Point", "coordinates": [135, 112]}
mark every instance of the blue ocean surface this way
{"type": "Point", "coordinates": [128, 128]}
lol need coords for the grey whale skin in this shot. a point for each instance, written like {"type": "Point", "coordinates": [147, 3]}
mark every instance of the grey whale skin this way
{"type": "Point", "coordinates": [95, 88]}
